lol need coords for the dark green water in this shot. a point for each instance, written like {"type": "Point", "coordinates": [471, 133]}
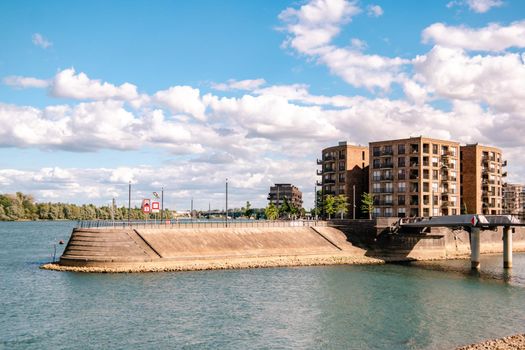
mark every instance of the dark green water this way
{"type": "Point", "coordinates": [431, 306]}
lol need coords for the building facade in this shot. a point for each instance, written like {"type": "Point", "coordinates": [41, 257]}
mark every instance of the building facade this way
{"type": "Point", "coordinates": [344, 171]}
{"type": "Point", "coordinates": [482, 173]}
{"type": "Point", "coordinates": [513, 199]}
{"type": "Point", "coordinates": [416, 176]}
{"type": "Point", "coordinates": [279, 192]}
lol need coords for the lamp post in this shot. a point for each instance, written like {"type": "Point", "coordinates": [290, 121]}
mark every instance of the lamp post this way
{"type": "Point", "coordinates": [226, 202]}
{"type": "Point", "coordinates": [162, 204]}
{"type": "Point", "coordinates": [129, 203]}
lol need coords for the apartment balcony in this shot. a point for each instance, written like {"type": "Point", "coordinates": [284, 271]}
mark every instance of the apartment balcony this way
{"type": "Point", "coordinates": [384, 203]}
{"type": "Point", "coordinates": [504, 163]}
{"type": "Point", "coordinates": [386, 178]}
{"type": "Point", "coordinates": [386, 190]}
{"type": "Point", "coordinates": [386, 165]}
{"type": "Point", "coordinates": [329, 181]}
{"type": "Point", "coordinates": [376, 154]}
{"type": "Point", "coordinates": [414, 177]}
{"type": "Point", "coordinates": [386, 153]}
{"type": "Point", "coordinates": [414, 202]}
{"type": "Point", "coordinates": [319, 161]}
{"type": "Point", "coordinates": [328, 170]}
{"type": "Point", "coordinates": [319, 172]}
{"type": "Point", "coordinates": [401, 176]}
{"type": "Point", "coordinates": [318, 183]}
{"type": "Point", "coordinates": [446, 204]}
{"type": "Point", "coordinates": [414, 164]}
{"type": "Point", "coordinates": [328, 158]}
{"type": "Point", "coordinates": [504, 174]}
{"type": "Point", "coordinates": [445, 165]}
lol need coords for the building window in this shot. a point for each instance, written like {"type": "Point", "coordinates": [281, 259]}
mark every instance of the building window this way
{"type": "Point", "coordinates": [426, 187]}
{"type": "Point", "coordinates": [363, 155]}
{"type": "Point", "coordinates": [435, 174]}
{"type": "Point", "coordinates": [401, 186]}
{"type": "Point", "coordinates": [377, 164]}
{"type": "Point", "coordinates": [426, 148]}
{"type": "Point", "coordinates": [435, 162]}
{"type": "Point", "coordinates": [388, 212]}
{"type": "Point", "coordinates": [342, 166]}
{"type": "Point", "coordinates": [376, 175]}
{"type": "Point", "coordinates": [388, 187]}
{"type": "Point", "coordinates": [400, 149]}
{"type": "Point", "coordinates": [388, 199]}
{"type": "Point", "coordinates": [400, 200]}
{"type": "Point", "coordinates": [401, 212]}
{"type": "Point", "coordinates": [401, 162]}
{"type": "Point", "coordinates": [434, 149]}
{"type": "Point", "coordinates": [376, 151]}
{"type": "Point", "coordinates": [401, 174]}
{"type": "Point", "coordinates": [376, 187]}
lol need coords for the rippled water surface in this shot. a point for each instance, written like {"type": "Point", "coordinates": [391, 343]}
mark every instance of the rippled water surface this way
{"type": "Point", "coordinates": [427, 306]}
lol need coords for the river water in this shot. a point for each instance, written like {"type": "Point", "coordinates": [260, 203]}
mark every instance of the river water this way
{"type": "Point", "coordinates": [424, 306]}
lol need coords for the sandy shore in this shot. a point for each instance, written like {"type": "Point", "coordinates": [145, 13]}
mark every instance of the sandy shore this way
{"type": "Point", "coordinates": [223, 264]}
{"type": "Point", "coordinates": [514, 342]}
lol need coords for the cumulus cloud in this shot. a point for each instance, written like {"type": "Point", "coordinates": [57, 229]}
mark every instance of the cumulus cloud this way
{"type": "Point", "coordinates": [232, 84]}
{"type": "Point", "coordinates": [490, 38]}
{"type": "Point", "coordinates": [39, 40]}
{"type": "Point", "coordinates": [182, 99]}
{"type": "Point", "coordinates": [68, 84]}
{"type": "Point", "coordinates": [19, 82]}
{"type": "Point", "coordinates": [316, 23]}
{"type": "Point", "coordinates": [311, 29]}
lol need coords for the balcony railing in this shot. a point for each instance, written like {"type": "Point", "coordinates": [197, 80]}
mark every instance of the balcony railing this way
{"type": "Point", "coordinates": [319, 183]}
{"type": "Point", "coordinates": [319, 172]}
{"type": "Point", "coordinates": [387, 178]}
{"type": "Point", "coordinates": [329, 181]}
{"type": "Point", "coordinates": [387, 153]}
{"type": "Point", "coordinates": [387, 165]}
{"type": "Point", "coordinates": [319, 161]}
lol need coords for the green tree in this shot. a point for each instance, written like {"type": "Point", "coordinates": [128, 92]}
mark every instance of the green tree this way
{"type": "Point", "coordinates": [367, 204]}
{"type": "Point", "coordinates": [285, 208]}
{"type": "Point", "coordinates": [329, 206]}
{"type": "Point", "coordinates": [248, 211]}
{"type": "Point", "coordinates": [271, 212]}
{"type": "Point", "coordinates": [341, 206]}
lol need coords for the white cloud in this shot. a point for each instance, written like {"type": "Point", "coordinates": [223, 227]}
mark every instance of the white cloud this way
{"type": "Point", "coordinates": [374, 10]}
{"type": "Point", "coordinates": [248, 85]}
{"type": "Point", "coordinates": [479, 6]}
{"type": "Point", "coordinates": [490, 38]}
{"type": "Point", "coordinates": [25, 82]}
{"type": "Point", "coordinates": [182, 99]}
{"type": "Point", "coordinates": [482, 6]}
{"type": "Point", "coordinates": [311, 29]}
{"type": "Point", "coordinates": [315, 24]}
{"type": "Point", "coordinates": [39, 40]}
{"type": "Point", "coordinates": [69, 84]}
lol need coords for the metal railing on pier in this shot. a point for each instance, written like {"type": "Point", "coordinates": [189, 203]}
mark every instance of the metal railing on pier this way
{"type": "Point", "coordinates": [197, 223]}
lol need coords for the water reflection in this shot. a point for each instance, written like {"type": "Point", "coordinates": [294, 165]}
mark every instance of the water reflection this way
{"type": "Point", "coordinates": [491, 269]}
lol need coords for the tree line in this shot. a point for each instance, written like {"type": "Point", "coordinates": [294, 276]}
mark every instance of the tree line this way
{"type": "Point", "coordinates": [21, 206]}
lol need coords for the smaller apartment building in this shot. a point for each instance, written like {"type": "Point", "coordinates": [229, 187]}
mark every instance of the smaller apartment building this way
{"type": "Point", "coordinates": [514, 199]}
{"type": "Point", "coordinates": [416, 176]}
{"type": "Point", "coordinates": [279, 192]}
{"type": "Point", "coordinates": [344, 171]}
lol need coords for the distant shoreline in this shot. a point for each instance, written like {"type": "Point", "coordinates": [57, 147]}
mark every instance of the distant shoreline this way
{"type": "Point", "coordinates": [514, 342]}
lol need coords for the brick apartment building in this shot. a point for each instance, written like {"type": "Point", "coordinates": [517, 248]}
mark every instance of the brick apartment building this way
{"type": "Point", "coordinates": [344, 171]}
{"type": "Point", "coordinates": [514, 199]}
{"type": "Point", "coordinates": [481, 179]}
{"type": "Point", "coordinates": [279, 191]}
{"type": "Point", "coordinates": [416, 176]}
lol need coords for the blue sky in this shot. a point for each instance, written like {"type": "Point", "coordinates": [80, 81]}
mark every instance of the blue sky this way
{"type": "Point", "coordinates": [162, 92]}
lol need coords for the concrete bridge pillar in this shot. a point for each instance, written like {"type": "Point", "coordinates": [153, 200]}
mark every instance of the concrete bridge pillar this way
{"type": "Point", "coordinates": [474, 247]}
{"type": "Point", "coordinates": [507, 247]}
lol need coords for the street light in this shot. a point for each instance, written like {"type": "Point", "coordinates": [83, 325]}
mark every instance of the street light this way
{"type": "Point", "coordinates": [226, 202]}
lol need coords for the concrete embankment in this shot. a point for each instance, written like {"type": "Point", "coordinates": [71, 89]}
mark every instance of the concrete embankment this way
{"type": "Point", "coordinates": [168, 249]}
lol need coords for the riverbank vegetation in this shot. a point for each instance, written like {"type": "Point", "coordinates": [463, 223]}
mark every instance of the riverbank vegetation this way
{"type": "Point", "coordinates": [19, 206]}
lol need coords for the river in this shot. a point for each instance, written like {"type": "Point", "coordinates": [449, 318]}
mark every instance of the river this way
{"type": "Point", "coordinates": [438, 305]}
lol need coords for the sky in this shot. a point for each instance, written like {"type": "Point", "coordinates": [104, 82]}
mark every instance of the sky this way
{"type": "Point", "coordinates": [183, 95]}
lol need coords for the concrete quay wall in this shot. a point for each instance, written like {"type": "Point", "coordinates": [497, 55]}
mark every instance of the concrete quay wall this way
{"type": "Point", "coordinates": [121, 247]}
{"type": "Point", "coordinates": [379, 239]}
